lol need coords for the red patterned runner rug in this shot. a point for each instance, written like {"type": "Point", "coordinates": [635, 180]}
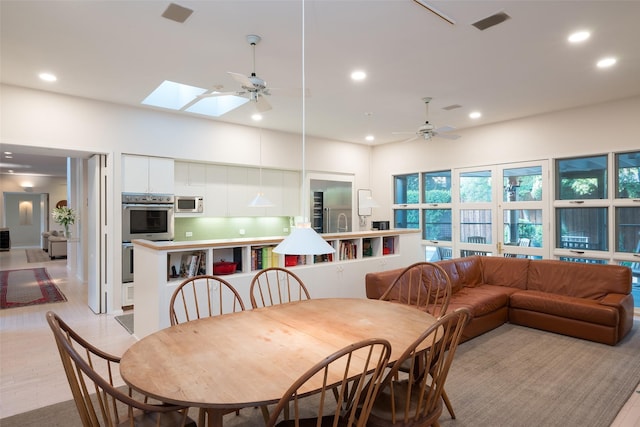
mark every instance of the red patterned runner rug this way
{"type": "Point", "coordinates": [29, 286]}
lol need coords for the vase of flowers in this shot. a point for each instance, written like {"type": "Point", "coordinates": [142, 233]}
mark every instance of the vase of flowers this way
{"type": "Point", "coordinates": [65, 216]}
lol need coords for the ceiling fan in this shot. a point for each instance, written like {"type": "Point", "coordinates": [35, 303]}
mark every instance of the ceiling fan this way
{"type": "Point", "coordinates": [253, 87]}
{"type": "Point", "coordinates": [427, 130]}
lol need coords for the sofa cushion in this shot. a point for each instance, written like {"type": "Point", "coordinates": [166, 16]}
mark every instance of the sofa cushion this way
{"type": "Point", "coordinates": [449, 266]}
{"type": "Point", "coordinates": [565, 306]}
{"type": "Point", "coordinates": [500, 271]}
{"type": "Point", "coordinates": [481, 299]}
{"type": "Point", "coordinates": [469, 271]}
{"type": "Point", "coordinates": [377, 283]}
{"type": "Point", "coordinates": [590, 281]}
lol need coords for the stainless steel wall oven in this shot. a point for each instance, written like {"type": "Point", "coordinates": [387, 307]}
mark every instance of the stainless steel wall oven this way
{"type": "Point", "coordinates": [144, 216]}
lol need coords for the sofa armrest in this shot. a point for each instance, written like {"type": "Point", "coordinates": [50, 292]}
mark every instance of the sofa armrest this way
{"type": "Point", "coordinates": [377, 283]}
{"type": "Point", "coordinates": [612, 300]}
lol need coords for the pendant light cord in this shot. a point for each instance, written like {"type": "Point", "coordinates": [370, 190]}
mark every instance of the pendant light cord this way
{"type": "Point", "coordinates": [304, 131]}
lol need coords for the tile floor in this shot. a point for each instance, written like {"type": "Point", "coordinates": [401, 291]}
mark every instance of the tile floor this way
{"type": "Point", "coordinates": [31, 375]}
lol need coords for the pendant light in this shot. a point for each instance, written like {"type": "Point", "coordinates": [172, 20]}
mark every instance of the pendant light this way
{"type": "Point", "coordinates": [260, 201]}
{"type": "Point", "coordinates": [303, 239]}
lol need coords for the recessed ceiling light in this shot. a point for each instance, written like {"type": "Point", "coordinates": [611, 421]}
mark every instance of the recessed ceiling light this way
{"type": "Point", "coordinates": [256, 116]}
{"type": "Point", "coordinates": [475, 115]}
{"type": "Point", "coordinates": [47, 77]}
{"type": "Point", "coordinates": [369, 138]}
{"type": "Point", "coordinates": [358, 75]}
{"type": "Point", "coordinates": [607, 62]}
{"type": "Point", "coordinates": [579, 36]}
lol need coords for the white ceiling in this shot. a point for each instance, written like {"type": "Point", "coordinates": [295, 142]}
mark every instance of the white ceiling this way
{"type": "Point", "coordinates": [119, 51]}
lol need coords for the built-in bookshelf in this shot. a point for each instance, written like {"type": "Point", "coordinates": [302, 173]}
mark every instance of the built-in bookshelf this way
{"type": "Point", "coordinates": [341, 274]}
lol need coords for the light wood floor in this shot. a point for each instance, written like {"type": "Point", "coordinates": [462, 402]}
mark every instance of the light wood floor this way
{"type": "Point", "coordinates": [31, 375]}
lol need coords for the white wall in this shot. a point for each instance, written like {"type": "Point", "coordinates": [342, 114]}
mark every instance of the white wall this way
{"type": "Point", "coordinates": [595, 129]}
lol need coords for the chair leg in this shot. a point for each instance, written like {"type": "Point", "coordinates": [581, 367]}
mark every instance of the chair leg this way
{"type": "Point", "coordinates": [447, 403]}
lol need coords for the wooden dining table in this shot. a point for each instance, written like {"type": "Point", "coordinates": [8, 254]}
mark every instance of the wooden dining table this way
{"type": "Point", "coordinates": [250, 358]}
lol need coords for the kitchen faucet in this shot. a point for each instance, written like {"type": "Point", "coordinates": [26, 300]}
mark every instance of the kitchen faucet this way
{"type": "Point", "coordinates": [346, 224]}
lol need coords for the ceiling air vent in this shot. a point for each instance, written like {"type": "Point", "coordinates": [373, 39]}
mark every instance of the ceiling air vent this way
{"type": "Point", "coordinates": [177, 13]}
{"type": "Point", "coordinates": [452, 107]}
{"type": "Point", "coordinates": [490, 21]}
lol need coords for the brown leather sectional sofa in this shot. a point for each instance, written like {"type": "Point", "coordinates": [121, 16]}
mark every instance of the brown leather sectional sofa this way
{"type": "Point", "coordinates": [588, 301]}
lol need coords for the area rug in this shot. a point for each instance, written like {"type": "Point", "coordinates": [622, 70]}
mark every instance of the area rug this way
{"type": "Point", "coordinates": [510, 377]}
{"type": "Point", "coordinates": [126, 320]}
{"type": "Point", "coordinates": [518, 376]}
{"type": "Point", "coordinates": [29, 286]}
{"type": "Point", "coordinates": [37, 255]}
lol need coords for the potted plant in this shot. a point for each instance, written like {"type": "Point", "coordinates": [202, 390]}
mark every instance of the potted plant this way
{"type": "Point", "coordinates": [64, 216]}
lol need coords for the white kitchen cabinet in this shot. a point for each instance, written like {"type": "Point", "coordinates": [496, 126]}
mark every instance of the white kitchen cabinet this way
{"type": "Point", "coordinates": [142, 174]}
{"type": "Point", "coordinates": [190, 179]}
{"type": "Point", "coordinates": [215, 195]}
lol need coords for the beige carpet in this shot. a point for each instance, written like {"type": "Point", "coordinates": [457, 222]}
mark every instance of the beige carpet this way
{"type": "Point", "coordinates": [37, 255]}
{"type": "Point", "coordinates": [27, 287]}
{"type": "Point", "coordinates": [510, 377]}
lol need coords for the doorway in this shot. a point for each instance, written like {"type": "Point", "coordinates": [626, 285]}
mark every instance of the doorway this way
{"type": "Point", "coordinates": [26, 217]}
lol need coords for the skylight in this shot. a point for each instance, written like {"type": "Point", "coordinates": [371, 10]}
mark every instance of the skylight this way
{"type": "Point", "coordinates": [175, 96]}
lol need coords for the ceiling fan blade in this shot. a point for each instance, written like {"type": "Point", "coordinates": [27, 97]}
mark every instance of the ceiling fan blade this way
{"type": "Point", "coordinates": [262, 104]}
{"type": "Point", "coordinates": [446, 135]}
{"type": "Point", "coordinates": [241, 78]}
{"type": "Point", "coordinates": [446, 128]}
{"type": "Point", "coordinates": [411, 139]}
{"type": "Point", "coordinates": [435, 11]}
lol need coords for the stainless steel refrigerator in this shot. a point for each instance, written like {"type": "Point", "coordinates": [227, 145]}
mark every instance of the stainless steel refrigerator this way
{"type": "Point", "coordinates": [331, 209]}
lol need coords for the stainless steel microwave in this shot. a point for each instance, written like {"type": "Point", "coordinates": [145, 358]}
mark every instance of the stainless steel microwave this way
{"type": "Point", "coordinates": [189, 204]}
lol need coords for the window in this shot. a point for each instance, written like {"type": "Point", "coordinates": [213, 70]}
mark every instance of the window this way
{"type": "Point", "coordinates": [628, 229]}
{"type": "Point", "coordinates": [581, 178]}
{"type": "Point", "coordinates": [582, 228]}
{"type": "Point", "coordinates": [406, 192]}
{"type": "Point", "coordinates": [475, 225]}
{"type": "Point", "coordinates": [475, 186]}
{"type": "Point", "coordinates": [406, 189]}
{"type": "Point", "coordinates": [406, 218]}
{"type": "Point", "coordinates": [522, 184]}
{"type": "Point", "coordinates": [436, 187]}
{"type": "Point", "coordinates": [628, 182]}
{"type": "Point", "coordinates": [437, 224]}
{"type": "Point", "coordinates": [520, 224]}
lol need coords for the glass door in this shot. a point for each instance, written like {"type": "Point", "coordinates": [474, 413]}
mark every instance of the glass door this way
{"type": "Point", "coordinates": [476, 214]}
{"type": "Point", "coordinates": [523, 210]}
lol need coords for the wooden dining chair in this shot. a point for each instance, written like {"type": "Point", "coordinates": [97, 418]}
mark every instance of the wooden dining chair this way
{"type": "Point", "coordinates": [416, 399]}
{"type": "Point", "coordinates": [90, 373]}
{"type": "Point", "coordinates": [355, 372]}
{"type": "Point", "coordinates": [276, 285]}
{"type": "Point", "coordinates": [203, 296]}
{"type": "Point", "coordinates": [424, 285]}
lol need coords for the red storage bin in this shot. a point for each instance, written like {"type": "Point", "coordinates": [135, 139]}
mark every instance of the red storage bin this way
{"type": "Point", "coordinates": [224, 267]}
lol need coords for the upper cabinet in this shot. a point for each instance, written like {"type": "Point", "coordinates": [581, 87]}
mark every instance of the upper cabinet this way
{"type": "Point", "coordinates": [228, 191]}
{"type": "Point", "coordinates": [190, 179]}
{"type": "Point", "coordinates": [142, 174]}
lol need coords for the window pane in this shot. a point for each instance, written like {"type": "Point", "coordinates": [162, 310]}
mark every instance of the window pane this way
{"type": "Point", "coordinates": [475, 225]}
{"type": "Point", "coordinates": [628, 183]}
{"type": "Point", "coordinates": [583, 260]}
{"type": "Point", "coordinates": [520, 224]}
{"type": "Point", "coordinates": [437, 253]}
{"type": "Point", "coordinates": [522, 184]}
{"type": "Point", "coordinates": [406, 189]}
{"type": "Point", "coordinates": [581, 178]}
{"type": "Point", "coordinates": [582, 228]}
{"type": "Point", "coordinates": [628, 230]}
{"type": "Point", "coordinates": [437, 224]}
{"type": "Point", "coordinates": [437, 187]}
{"type": "Point", "coordinates": [475, 186]}
{"type": "Point", "coordinates": [406, 218]}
